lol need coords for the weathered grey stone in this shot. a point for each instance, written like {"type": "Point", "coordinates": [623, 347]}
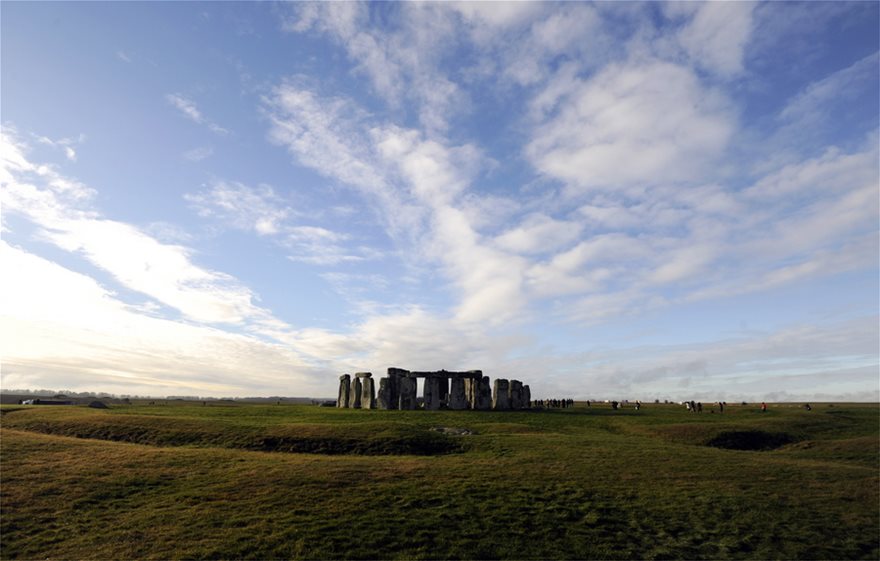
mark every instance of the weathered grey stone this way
{"type": "Point", "coordinates": [457, 396]}
{"type": "Point", "coordinates": [383, 396]}
{"type": "Point", "coordinates": [395, 374]}
{"type": "Point", "coordinates": [355, 399]}
{"type": "Point", "coordinates": [407, 398]}
{"type": "Point", "coordinates": [443, 374]}
{"type": "Point", "coordinates": [344, 391]}
{"type": "Point", "coordinates": [501, 395]}
{"type": "Point", "coordinates": [469, 392]}
{"type": "Point", "coordinates": [368, 394]}
{"type": "Point", "coordinates": [527, 396]}
{"type": "Point", "coordinates": [363, 375]}
{"type": "Point", "coordinates": [444, 390]}
{"type": "Point", "coordinates": [432, 393]}
{"type": "Point", "coordinates": [515, 394]}
{"type": "Point", "coordinates": [483, 398]}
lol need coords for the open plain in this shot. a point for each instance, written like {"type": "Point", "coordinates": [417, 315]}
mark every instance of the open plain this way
{"type": "Point", "coordinates": [172, 481]}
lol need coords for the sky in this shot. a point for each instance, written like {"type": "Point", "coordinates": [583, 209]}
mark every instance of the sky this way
{"type": "Point", "coordinates": [614, 200]}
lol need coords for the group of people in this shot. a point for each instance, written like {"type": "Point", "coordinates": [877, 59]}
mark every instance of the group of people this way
{"type": "Point", "coordinates": [698, 407]}
{"type": "Point", "coordinates": [552, 403]}
{"type": "Point", "coordinates": [619, 404]}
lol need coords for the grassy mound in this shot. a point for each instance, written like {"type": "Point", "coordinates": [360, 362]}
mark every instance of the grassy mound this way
{"type": "Point", "coordinates": [370, 439]}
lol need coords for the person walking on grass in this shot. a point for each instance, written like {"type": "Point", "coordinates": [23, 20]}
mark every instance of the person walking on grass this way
{"type": "Point", "coordinates": [763, 407]}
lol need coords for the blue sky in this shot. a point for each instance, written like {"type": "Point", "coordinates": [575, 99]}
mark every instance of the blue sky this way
{"type": "Point", "coordinates": [613, 200]}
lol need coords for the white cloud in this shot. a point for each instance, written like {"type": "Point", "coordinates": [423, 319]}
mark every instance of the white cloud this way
{"type": "Point", "coordinates": [165, 272]}
{"type": "Point", "coordinates": [416, 184]}
{"type": "Point", "coordinates": [717, 36]}
{"type": "Point", "coordinates": [246, 208]}
{"type": "Point", "coordinates": [401, 64]}
{"type": "Point", "coordinates": [65, 144]}
{"type": "Point", "coordinates": [837, 87]}
{"type": "Point", "coordinates": [123, 56]}
{"type": "Point", "coordinates": [198, 154]}
{"type": "Point", "coordinates": [539, 233]}
{"type": "Point", "coordinates": [189, 109]}
{"type": "Point", "coordinates": [804, 362]}
{"type": "Point", "coordinates": [262, 211]}
{"type": "Point", "coordinates": [633, 124]}
{"type": "Point", "coordinates": [496, 14]}
{"type": "Point", "coordinates": [61, 329]}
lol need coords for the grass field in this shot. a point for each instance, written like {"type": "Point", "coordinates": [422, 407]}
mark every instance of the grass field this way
{"type": "Point", "coordinates": [283, 482]}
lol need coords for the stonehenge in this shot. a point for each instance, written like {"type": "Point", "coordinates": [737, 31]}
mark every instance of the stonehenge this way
{"type": "Point", "coordinates": [441, 390]}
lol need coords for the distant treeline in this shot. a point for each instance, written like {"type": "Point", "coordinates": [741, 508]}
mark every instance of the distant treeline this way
{"type": "Point", "coordinates": [106, 395]}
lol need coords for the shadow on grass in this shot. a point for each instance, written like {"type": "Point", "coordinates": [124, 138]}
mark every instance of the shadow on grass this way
{"type": "Point", "coordinates": [751, 440]}
{"type": "Point", "coordinates": [418, 444]}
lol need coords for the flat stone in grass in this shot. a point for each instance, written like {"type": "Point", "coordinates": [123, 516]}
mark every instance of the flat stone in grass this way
{"type": "Point", "coordinates": [454, 431]}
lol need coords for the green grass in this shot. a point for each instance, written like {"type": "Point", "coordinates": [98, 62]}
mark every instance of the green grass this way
{"type": "Point", "coordinates": [213, 482]}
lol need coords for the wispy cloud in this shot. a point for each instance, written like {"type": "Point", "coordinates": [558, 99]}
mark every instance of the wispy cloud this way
{"type": "Point", "coordinates": [198, 154]}
{"type": "Point", "coordinates": [61, 329]}
{"type": "Point", "coordinates": [262, 211]}
{"type": "Point", "coordinates": [629, 125]}
{"type": "Point", "coordinates": [189, 109]}
{"type": "Point", "coordinates": [61, 208]}
{"type": "Point", "coordinates": [65, 144]}
{"type": "Point", "coordinates": [716, 35]}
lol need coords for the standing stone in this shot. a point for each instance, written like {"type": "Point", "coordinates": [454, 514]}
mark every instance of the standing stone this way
{"type": "Point", "coordinates": [383, 399]}
{"type": "Point", "coordinates": [407, 398]}
{"type": "Point", "coordinates": [469, 384]}
{"type": "Point", "coordinates": [483, 400]}
{"type": "Point", "coordinates": [344, 391]}
{"type": "Point", "coordinates": [432, 393]}
{"type": "Point", "coordinates": [355, 400]}
{"type": "Point", "coordinates": [500, 395]}
{"type": "Point", "coordinates": [444, 390]}
{"type": "Point", "coordinates": [368, 394]}
{"type": "Point", "coordinates": [457, 396]}
{"type": "Point", "coordinates": [472, 387]}
{"type": "Point", "coordinates": [395, 375]}
{"type": "Point", "coordinates": [527, 396]}
{"type": "Point", "coordinates": [515, 394]}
